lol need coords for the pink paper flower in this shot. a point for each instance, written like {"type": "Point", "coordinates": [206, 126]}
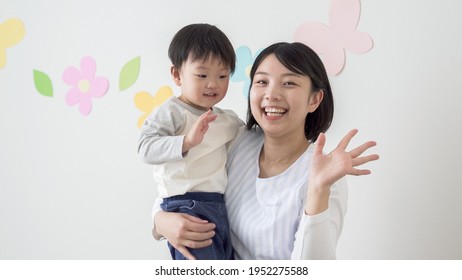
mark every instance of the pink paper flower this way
{"type": "Point", "coordinates": [85, 85]}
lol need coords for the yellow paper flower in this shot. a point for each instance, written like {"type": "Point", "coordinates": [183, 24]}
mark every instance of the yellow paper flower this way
{"type": "Point", "coordinates": [146, 103]}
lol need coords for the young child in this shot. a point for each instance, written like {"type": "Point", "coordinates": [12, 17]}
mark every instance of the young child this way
{"type": "Point", "coordinates": [186, 138]}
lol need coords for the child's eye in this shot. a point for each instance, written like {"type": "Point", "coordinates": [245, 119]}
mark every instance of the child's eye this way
{"type": "Point", "coordinates": [201, 76]}
{"type": "Point", "coordinates": [223, 76]}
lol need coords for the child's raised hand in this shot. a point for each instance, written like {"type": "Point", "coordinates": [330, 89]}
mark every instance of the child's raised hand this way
{"type": "Point", "coordinates": [198, 130]}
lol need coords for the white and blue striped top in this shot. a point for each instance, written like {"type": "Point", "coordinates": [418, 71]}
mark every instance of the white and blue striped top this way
{"type": "Point", "coordinates": [266, 215]}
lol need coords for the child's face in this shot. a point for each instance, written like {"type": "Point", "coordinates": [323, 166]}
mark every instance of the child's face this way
{"type": "Point", "coordinates": [203, 82]}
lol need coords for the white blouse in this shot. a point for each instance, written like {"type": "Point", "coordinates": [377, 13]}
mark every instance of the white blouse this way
{"type": "Point", "coordinates": [266, 215]}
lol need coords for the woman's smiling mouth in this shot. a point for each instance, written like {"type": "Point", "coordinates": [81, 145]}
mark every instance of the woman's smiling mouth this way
{"type": "Point", "coordinates": [274, 112]}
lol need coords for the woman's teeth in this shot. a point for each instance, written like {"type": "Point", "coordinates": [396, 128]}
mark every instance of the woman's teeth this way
{"type": "Point", "coordinates": [274, 112]}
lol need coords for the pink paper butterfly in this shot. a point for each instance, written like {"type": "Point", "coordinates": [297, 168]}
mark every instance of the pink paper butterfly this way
{"type": "Point", "coordinates": [331, 41]}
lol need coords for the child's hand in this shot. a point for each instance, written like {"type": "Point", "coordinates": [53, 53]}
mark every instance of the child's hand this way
{"type": "Point", "coordinates": [198, 130]}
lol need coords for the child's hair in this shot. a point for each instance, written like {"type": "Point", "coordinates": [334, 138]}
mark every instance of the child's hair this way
{"type": "Point", "coordinates": [199, 42]}
{"type": "Point", "coordinates": [302, 60]}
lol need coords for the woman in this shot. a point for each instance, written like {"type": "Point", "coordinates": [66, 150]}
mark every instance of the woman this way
{"type": "Point", "coordinates": [285, 198]}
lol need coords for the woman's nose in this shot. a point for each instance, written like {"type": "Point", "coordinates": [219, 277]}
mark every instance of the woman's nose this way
{"type": "Point", "coordinates": [272, 93]}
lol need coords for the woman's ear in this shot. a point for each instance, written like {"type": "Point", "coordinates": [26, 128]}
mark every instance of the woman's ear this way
{"type": "Point", "coordinates": [175, 72]}
{"type": "Point", "coordinates": [315, 99]}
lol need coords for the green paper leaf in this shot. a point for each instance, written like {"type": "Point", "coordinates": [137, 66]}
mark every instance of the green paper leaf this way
{"type": "Point", "coordinates": [43, 83]}
{"type": "Point", "coordinates": [129, 73]}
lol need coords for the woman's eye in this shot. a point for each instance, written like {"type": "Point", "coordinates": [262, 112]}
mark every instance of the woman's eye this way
{"type": "Point", "coordinates": [289, 84]}
{"type": "Point", "coordinates": [260, 82]}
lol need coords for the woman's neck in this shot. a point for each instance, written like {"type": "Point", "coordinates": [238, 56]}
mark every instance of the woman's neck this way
{"type": "Point", "coordinates": [278, 154]}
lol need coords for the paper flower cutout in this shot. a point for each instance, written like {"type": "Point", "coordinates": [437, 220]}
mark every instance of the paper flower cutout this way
{"type": "Point", "coordinates": [244, 61]}
{"type": "Point", "coordinates": [330, 41]}
{"type": "Point", "coordinates": [12, 31]}
{"type": "Point", "coordinates": [85, 85]}
{"type": "Point", "coordinates": [146, 103]}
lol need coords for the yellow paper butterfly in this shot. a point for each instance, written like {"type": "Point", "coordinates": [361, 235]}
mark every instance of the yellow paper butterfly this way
{"type": "Point", "coordinates": [11, 32]}
{"type": "Point", "coordinates": [146, 103]}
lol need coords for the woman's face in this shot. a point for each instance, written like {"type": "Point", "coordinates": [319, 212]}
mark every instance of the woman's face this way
{"type": "Point", "coordinates": [280, 99]}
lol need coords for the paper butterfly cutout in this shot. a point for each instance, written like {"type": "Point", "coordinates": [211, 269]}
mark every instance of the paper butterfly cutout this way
{"type": "Point", "coordinates": [330, 42]}
{"type": "Point", "coordinates": [244, 61]}
{"type": "Point", "coordinates": [146, 103]}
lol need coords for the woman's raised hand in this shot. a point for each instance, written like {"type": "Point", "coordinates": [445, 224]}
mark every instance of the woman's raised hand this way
{"type": "Point", "coordinates": [326, 169]}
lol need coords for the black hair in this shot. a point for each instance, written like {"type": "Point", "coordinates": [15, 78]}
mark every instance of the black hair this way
{"type": "Point", "coordinates": [201, 41]}
{"type": "Point", "coordinates": [301, 59]}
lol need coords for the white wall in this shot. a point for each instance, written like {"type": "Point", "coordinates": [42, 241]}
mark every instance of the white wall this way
{"type": "Point", "coordinates": [72, 186]}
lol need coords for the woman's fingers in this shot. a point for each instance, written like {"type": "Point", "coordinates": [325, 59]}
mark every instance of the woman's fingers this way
{"type": "Point", "coordinates": [198, 239]}
{"type": "Point", "coordinates": [360, 161]}
{"type": "Point", "coordinates": [361, 149]}
{"type": "Point", "coordinates": [183, 229]}
{"type": "Point", "coordinates": [185, 252]}
{"type": "Point", "coordinates": [198, 225]}
{"type": "Point", "coordinates": [190, 233]}
{"type": "Point", "coordinates": [359, 172]}
{"type": "Point", "coordinates": [192, 245]}
{"type": "Point", "coordinates": [365, 159]}
{"type": "Point", "coordinates": [199, 235]}
{"type": "Point", "coordinates": [194, 219]}
{"type": "Point", "coordinates": [355, 154]}
{"type": "Point", "coordinates": [196, 233]}
{"type": "Point", "coordinates": [346, 139]}
{"type": "Point", "coordinates": [320, 142]}
{"type": "Point", "coordinates": [197, 244]}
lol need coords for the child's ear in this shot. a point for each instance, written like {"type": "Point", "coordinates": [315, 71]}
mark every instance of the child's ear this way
{"type": "Point", "coordinates": [315, 100]}
{"type": "Point", "coordinates": [175, 72]}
